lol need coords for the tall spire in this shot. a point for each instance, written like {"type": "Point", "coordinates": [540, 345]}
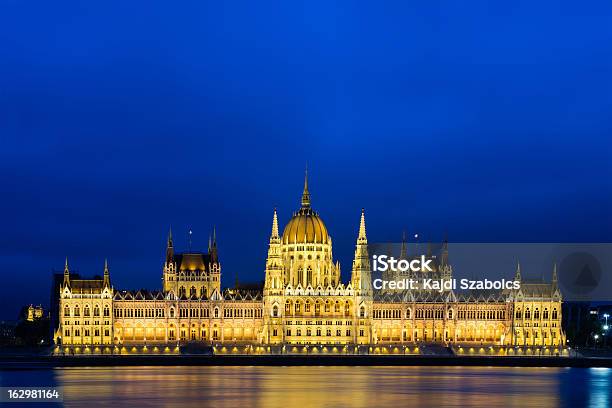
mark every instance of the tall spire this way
{"type": "Point", "coordinates": [362, 239]}
{"type": "Point", "coordinates": [169, 247]}
{"type": "Point", "coordinates": [554, 274]}
{"type": "Point", "coordinates": [274, 225]}
{"type": "Point", "coordinates": [213, 249]}
{"type": "Point", "coordinates": [517, 277]}
{"type": "Point", "coordinates": [361, 274]}
{"type": "Point", "coordinates": [66, 273]}
{"type": "Point", "coordinates": [306, 193]}
{"type": "Point", "coordinates": [445, 250]}
{"type": "Point", "coordinates": [106, 274]}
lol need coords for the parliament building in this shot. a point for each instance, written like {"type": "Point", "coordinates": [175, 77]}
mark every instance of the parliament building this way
{"type": "Point", "coordinates": [303, 307]}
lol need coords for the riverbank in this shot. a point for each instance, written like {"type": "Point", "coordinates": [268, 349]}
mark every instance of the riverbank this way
{"type": "Point", "coordinates": [37, 362]}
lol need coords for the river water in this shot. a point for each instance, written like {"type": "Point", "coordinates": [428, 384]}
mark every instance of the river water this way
{"type": "Point", "coordinates": [322, 386]}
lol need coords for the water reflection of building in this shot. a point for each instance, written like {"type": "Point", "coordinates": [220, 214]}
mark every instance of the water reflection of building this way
{"type": "Point", "coordinates": [303, 307]}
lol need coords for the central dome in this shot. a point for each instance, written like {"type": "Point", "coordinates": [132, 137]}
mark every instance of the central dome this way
{"type": "Point", "coordinates": [306, 227]}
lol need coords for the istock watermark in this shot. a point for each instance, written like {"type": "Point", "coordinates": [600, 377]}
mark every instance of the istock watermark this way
{"type": "Point", "coordinates": [382, 263]}
{"type": "Point", "coordinates": [579, 271]}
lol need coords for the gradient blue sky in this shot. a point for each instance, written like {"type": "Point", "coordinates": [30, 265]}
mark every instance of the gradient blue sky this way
{"type": "Point", "coordinates": [489, 121]}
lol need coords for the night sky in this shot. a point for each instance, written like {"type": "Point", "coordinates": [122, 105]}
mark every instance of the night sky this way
{"type": "Point", "coordinates": [488, 122]}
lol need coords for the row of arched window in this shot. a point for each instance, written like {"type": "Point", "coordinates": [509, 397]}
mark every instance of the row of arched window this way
{"type": "Point", "coordinates": [182, 292]}
{"type": "Point", "coordinates": [536, 314]}
{"type": "Point", "coordinates": [307, 307]}
{"type": "Point", "coordinates": [76, 312]}
{"type": "Point", "coordinates": [439, 314]}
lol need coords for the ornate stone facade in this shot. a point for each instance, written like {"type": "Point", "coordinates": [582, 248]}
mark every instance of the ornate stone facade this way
{"type": "Point", "coordinates": [303, 305]}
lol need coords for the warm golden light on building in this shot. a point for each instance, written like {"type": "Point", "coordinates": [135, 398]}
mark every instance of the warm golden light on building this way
{"type": "Point", "coordinates": [304, 306]}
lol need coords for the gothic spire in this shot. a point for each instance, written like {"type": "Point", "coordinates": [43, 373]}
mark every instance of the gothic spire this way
{"type": "Point", "coordinates": [554, 274]}
{"type": "Point", "coordinates": [106, 274]}
{"type": "Point", "coordinates": [362, 239]}
{"type": "Point", "coordinates": [213, 249]}
{"type": "Point", "coordinates": [306, 193]}
{"type": "Point", "coordinates": [403, 250]}
{"type": "Point", "coordinates": [517, 277]}
{"type": "Point", "coordinates": [66, 273]}
{"type": "Point", "coordinates": [169, 247]}
{"type": "Point", "coordinates": [274, 225]}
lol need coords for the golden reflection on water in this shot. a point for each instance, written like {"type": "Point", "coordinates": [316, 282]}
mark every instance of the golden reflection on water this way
{"type": "Point", "coordinates": [320, 386]}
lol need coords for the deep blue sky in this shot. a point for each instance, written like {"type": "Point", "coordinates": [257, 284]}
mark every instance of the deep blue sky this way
{"type": "Point", "coordinates": [491, 122]}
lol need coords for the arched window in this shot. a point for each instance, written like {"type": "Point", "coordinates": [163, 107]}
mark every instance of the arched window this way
{"type": "Point", "coordinates": [66, 311]}
{"type": "Point", "coordinates": [192, 292]}
{"type": "Point", "coordinates": [300, 276]}
{"type": "Point", "coordinates": [362, 311]}
{"type": "Point", "coordinates": [527, 313]}
{"type": "Point", "coordinates": [106, 311]}
{"type": "Point", "coordinates": [545, 314]}
{"type": "Point", "coordinates": [536, 314]}
{"type": "Point", "coordinates": [408, 313]}
{"type": "Point", "coordinates": [307, 306]}
{"type": "Point", "coordinates": [182, 292]}
{"type": "Point", "coordinates": [287, 307]}
{"type": "Point", "coordinates": [309, 274]}
{"type": "Point", "coordinates": [337, 307]}
{"type": "Point", "coordinates": [96, 311]}
{"type": "Point", "coordinates": [327, 306]}
{"type": "Point", "coordinates": [450, 313]}
{"type": "Point", "coordinates": [275, 311]}
{"type": "Point", "coordinates": [216, 312]}
{"type": "Point", "coordinates": [554, 314]}
{"type": "Point", "coordinates": [77, 311]}
{"type": "Point", "coordinates": [519, 314]}
{"type": "Point", "coordinates": [86, 311]}
{"type": "Point", "coordinates": [202, 292]}
{"type": "Point", "coordinates": [171, 312]}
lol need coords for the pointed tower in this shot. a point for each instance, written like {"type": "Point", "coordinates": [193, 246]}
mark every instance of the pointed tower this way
{"type": "Point", "coordinates": [274, 286]}
{"type": "Point", "coordinates": [169, 269]}
{"type": "Point", "coordinates": [445, 268]}
{"type": "Point", "coordinates": [66, 274]}
{"type": "Point", "coordinates": [107, 282]}
{"type": "Point", "coordinates": [404, 249]}
{"type": "Point", "coordinates": [169, 248]}
{"type": "Point", "coordinates": [215, 265]}
{"type": "Point", "coordinates": [306, 193]}
{"type": "Point", "coordinates": [274, 267]}
{"type": "Point", "coordinates": [517, 276]}
{"type": "Point", "coordinates": [214, 257]}
{"type": "Point", "coordinates": [554, 281]}
{"type": "Point", "coordinates": [361, 280]}
{"type": "Point", "coordinates": [361, 274]}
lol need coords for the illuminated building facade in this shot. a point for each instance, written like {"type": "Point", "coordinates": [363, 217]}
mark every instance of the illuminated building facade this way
{"type": "Point", "coordinates": [304, 305]}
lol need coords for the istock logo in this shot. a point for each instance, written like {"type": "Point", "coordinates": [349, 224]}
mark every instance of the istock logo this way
{"type": "Point", "coordinates": [382, 263]}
